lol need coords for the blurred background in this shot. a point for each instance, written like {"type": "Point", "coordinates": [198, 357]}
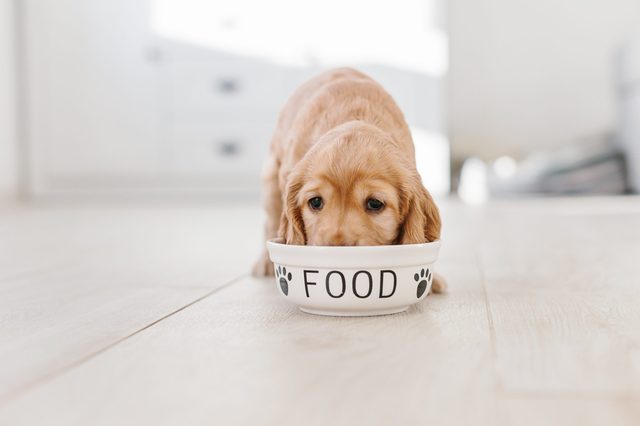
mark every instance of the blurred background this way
{"type": "Point", "coordinates": [178, 98]}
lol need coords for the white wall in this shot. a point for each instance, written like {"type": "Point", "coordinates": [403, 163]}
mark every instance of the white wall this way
{"type": "Point", "coordinates": [8, 155]}
{"type": "Point", "coordinates": [528, 75]}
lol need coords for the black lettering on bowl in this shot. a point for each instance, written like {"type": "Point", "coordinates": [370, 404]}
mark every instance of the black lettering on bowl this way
{"type": "Point", "coordinates": [307, 283]}
{"type": "Point", "coordinates": [344, 284]}
{"type": "Point", "coordinates": [395, 283]}
{"type": "Point", "coordinates": [336, 283]}
{"type": "Point", "coordinates": [355, 279]}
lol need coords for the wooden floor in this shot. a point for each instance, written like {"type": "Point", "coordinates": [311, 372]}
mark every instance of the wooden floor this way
{"type": "Point", "coordinates": [146, 315]}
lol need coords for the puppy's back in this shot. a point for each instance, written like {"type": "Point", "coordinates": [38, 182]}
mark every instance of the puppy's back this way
{"type": "Point", "coordinates": [307, 90]}
{"type": "Point", "coordinates": [330, 99]}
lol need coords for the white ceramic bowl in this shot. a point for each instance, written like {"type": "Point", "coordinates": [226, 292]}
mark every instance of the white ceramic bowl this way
{"type": "Point", "coordinates": [353, 281]}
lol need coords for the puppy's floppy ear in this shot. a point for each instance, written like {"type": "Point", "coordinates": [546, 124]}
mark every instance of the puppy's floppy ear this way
{"type": "Point", "coordinates": [421, 221]}
{"type": "Point", "coordinates": [291, 224]}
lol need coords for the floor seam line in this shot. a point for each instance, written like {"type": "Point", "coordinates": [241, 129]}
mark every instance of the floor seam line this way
{"type": "Point", "coordinates": [498, 385]}
{"type": "Point", "coordinates": [64, 369]}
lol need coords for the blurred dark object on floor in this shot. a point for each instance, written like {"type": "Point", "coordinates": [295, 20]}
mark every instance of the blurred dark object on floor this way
{"type": "Point", "coordinates": [594, 166]}
{"type": "Point", "coordinates": [606, 164]}
{"type": "Point", "coordinates": [627, 70]}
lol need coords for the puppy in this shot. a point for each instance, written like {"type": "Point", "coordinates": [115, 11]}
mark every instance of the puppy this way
{"type": "Point", "coordinates": [341, 170]}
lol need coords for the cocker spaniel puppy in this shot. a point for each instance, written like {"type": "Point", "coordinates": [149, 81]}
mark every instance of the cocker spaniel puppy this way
{"type": "Point", "coordinates": [342, 170]}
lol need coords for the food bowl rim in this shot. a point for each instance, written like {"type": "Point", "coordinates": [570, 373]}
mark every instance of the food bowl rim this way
{"type": "Point", "coordinates": [353, 257]}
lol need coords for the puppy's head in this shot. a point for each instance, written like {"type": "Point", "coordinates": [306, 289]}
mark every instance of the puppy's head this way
{"type": "Point", "coordinates": [355, 187]}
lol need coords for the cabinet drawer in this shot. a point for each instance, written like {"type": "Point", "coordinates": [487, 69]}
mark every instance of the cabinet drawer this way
{"type": "Point", "coordinates": [213, 85]}
{"type": "Point", "coordinates": [231, 148]}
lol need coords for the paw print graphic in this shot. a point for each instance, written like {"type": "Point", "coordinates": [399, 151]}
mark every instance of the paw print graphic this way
{"type": "Point", "coordinates": [283, 278]}
{"type": "Point", "coordinates": [422, 279]}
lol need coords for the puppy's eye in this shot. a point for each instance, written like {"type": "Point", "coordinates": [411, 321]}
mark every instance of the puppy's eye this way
{"type": "Point", "coordinates": [316, 203]}
{"type": "Point", "coordinates": [374, 205]}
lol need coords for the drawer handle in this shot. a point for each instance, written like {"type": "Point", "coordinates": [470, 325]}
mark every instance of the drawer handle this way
{"type": "Point", "coordinates": [228, 148]}
{"type": "Point", "coordinates": [227, 85]}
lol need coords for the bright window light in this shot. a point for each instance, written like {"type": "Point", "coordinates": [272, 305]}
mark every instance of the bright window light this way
{"type": "Point", "coordinates": [473, 188]}
{"type": "Point", "coordinates": [505, 167]}
{"type": "Point", "coordinates": [432, 160]}
{"type": "Point", "coordinates": [401, 34]}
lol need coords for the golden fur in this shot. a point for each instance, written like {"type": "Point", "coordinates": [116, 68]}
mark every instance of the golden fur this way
{"type": "Point", "coordinates": [342, 137]}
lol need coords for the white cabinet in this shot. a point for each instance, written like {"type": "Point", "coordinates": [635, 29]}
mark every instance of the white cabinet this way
{"type": "Point", "coordinates": [221, 113]}
{"type": "Point", "coordinates": [114, 106]}
{"type": "Point", "coordinates": [93, 92]}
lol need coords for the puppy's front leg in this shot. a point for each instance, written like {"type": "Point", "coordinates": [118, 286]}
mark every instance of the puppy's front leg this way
{"type": "Point", "coordinates": [439, 284]}
{"type": "Point", "coordinates": [273, 206]}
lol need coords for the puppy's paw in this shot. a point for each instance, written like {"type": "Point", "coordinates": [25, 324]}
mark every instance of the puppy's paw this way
{"type": "Point", "coordinates": [263, 266]}
{"type": "Point", "coordinates": [439, 284]}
